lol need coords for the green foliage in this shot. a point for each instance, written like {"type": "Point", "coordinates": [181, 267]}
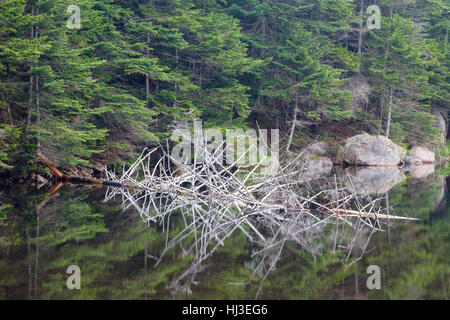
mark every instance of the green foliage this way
{"type": "Point", "coordinates": [335, 113]}
{"type": "Point", "coordinates": [399, 58]}
{"type": "Point", "coordinates": [135, 67]}
{"type": "Point", "coordinates": [9, 138]}
{"type": "Point", "coordinates": [76, 221]}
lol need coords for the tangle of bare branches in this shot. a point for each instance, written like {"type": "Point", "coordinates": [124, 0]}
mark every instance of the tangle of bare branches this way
{"type": "Point", "coordinates": [215, 200]}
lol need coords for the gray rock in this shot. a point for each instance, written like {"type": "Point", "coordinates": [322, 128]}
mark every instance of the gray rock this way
{"type": "Point", "coordinates": [373, 180]}
{"type": "Point", "coordinates": [316, 148]}
{"type": "Point", "coordinates": [367, 150]}
{"type": "Point", "coordinates": [422, 153]}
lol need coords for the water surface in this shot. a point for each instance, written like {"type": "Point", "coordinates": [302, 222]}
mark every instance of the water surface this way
{"type": "Point", "coordinates": [120, 255]}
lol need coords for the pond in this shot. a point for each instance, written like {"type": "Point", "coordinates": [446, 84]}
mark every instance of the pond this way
{"type": "Point", "coordinates": [121, 256]}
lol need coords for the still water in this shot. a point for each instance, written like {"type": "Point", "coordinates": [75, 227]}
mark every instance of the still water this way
{"type": "Point", "coordinates": [122, 257]}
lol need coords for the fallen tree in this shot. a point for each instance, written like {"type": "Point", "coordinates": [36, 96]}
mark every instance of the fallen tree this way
{"type": "Point", "coordinates": [69, 178]}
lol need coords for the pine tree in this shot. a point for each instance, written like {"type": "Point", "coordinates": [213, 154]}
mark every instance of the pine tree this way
{"type": "Point", "coordinates": [17, 52]}
{"type": "Point", "coordinates": [401, 62]}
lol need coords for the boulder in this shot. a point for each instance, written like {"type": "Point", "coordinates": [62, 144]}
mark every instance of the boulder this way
{"type": "Point", "coordinates": [423, 154]}
{"type": "Point", "coordinates": [319, 147]}
{"type": "Point", "coordinates": [368, 150]}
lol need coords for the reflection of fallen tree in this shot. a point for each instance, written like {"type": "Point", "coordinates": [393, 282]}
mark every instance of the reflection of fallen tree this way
{"type": "Point", "coordinates": [215, 200]}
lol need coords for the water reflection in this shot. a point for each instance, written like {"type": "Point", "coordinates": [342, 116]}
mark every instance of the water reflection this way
{"type": "Point", "coordinates": [422, 171]}
{"type": "Point", "coordinates": [203, 228]}
{"type": "Point", "coordinates": [373, 180]}
{"type": "Point", "coordinates": [123, 257]}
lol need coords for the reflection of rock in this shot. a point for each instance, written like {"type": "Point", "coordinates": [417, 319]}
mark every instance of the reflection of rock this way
{"type": "Point", "coordinates": [423, 154]}
{"type": "Point", "coordinates": [428, 192]}
{"type": "Point", "coordinates": [421, 171]}
{"type": "Point", "coordinates": [316, 168]}
{"type": "Point", "coordinates": [441, 190]}
{"type": "Point", "coordinates": [373, 180]}
{"type": "Point", "coordinates": [315, 164]}
{"type": "Point", "coordinates": [364, 149]}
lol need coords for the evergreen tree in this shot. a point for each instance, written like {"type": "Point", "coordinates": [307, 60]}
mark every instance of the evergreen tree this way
{"type": "Point", "coordinates": [401, 62]}
{"type": "Point", "coordinates": [135, 66]}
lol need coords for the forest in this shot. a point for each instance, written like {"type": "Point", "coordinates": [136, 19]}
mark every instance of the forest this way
{"type": "Point", "coordinates": [121, 80]}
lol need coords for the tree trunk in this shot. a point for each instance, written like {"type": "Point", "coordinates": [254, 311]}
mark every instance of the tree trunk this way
{"type": "Point", "coordinates": [64, 178]}
{"type": "Point", "coordinates": [38, 111]}
{"type": "Point", "coordinates": [361, 5]}
{"type": "Point", "coordinates": [8, 105]}
{"type": "Point", "coordinates": [30, 90]}
{"type": "Point", "coordinates": [294, 120]}
{"type": "Point", "coordinates": [263, 30]}
{"type": "Point", "coordinates": [30, 103]}
{"type": "Point", "coordinates": [175, 85]}
{"type": "Point", "coordinates": [380, 126]}
{"type": "Point", "coordinates": [388, 124]}
{"type": "Point", "coordinates": [147, 78]}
